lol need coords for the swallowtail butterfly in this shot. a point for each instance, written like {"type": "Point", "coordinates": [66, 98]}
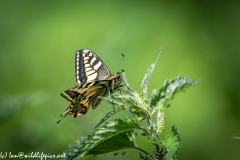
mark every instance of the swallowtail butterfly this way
{"type": "Point", "coordinates": [93, 79]}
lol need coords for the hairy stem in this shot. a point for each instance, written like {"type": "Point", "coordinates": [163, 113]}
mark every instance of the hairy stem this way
{"type": "Point", "coordinates": [142, 150]}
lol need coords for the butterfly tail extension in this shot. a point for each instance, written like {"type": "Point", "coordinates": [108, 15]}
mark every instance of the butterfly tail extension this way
{"type": "Point", "coordinates": [66, 112]}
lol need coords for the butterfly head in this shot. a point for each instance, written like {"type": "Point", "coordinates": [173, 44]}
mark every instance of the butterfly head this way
{"type": "Point", "coordinates": [117, 79]}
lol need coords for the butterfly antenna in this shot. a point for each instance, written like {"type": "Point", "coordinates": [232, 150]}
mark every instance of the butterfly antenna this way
{"type": "Point", "coordinates": [121, 62]}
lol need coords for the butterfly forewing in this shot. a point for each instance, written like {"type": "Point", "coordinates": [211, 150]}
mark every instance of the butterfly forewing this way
{"type": "Point", "coordinates": [89, 67]}
{"type": "Point", "coordinates": [93, 80]}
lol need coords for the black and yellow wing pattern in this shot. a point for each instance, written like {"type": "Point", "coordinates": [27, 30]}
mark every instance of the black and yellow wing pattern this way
{"type": "Point", "coordinates": [93, 79]}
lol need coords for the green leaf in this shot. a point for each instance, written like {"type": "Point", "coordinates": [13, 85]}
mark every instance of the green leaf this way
{"type": "Point", "coordinates": [114, 143]}
{"type": "Point", "coordinates": [160, 122]}
{"type": "Point", "coordinates": [147, 76]}
{"type": "Point", "coordinates": [111, 113]}
{"type": "Point", "coordinates": [128, 99]}
{"type": "Point", "coordinates": [127, 85]}
{"type": "Point", "coordinates": [117, 142]}
{"type": "Point", "coordinates": [112, 136]}
{"type": "Point", "coordinates": [171, 144]}
{"type": "Point", "coordinates": [165, 93]}
{"type": "Point", "coordinates": [125, 99]}
{"type": "Point", "coordinates": [132, 109]}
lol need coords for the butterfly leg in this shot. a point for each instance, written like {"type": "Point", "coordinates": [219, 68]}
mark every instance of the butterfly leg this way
{"type": "Point", "coordinates": [112, 101]}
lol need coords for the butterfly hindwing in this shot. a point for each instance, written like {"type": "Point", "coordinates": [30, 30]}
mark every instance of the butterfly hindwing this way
{"type": "Point", "coordinates": [89, 67]}
{"type": "Point", "coordinates": [69, 95]}
{"type": "Point", "coordinates": [100, 89]}
{"type": "Point", "coordinates": [84, 96]}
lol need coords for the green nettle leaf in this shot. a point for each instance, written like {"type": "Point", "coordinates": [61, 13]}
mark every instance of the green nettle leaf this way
{"type": "Point", "coordinates": [121, 141]}
{"type": "Point", "coordinates": [117, 134]}
{"type": "Point", "coordinates": [111, 113]}
{"type": "Point", "coordinates": [114, 143]}
{"type": "Point", "coordinates": [146, 77]}
{"type": "Point", "coordinates": [160, 122]}
{"type": "Point", "coordinates": [169, 89]}
{"type": "Point", "coordinates": [171, 144]}
{"type": "Point", "coordinates": [112, 136]}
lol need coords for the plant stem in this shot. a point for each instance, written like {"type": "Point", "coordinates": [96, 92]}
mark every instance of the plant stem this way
{"type": "Point", "coordinates": [148, 154]}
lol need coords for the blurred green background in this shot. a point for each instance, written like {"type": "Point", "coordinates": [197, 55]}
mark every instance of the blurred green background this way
{"type": "Point", "coordinates": [200, 39]}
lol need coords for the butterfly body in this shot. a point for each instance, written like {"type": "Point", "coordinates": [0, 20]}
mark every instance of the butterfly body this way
{"type": "Point", "coordinates": [93, 79]}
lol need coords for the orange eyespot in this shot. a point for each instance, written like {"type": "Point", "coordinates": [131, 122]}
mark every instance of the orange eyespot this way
{"type": "Point", "coordinates": [81, 111]}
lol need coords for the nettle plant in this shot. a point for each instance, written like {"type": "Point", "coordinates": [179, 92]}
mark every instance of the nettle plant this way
{"type": "Point", "coordinates": [120, 133]}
